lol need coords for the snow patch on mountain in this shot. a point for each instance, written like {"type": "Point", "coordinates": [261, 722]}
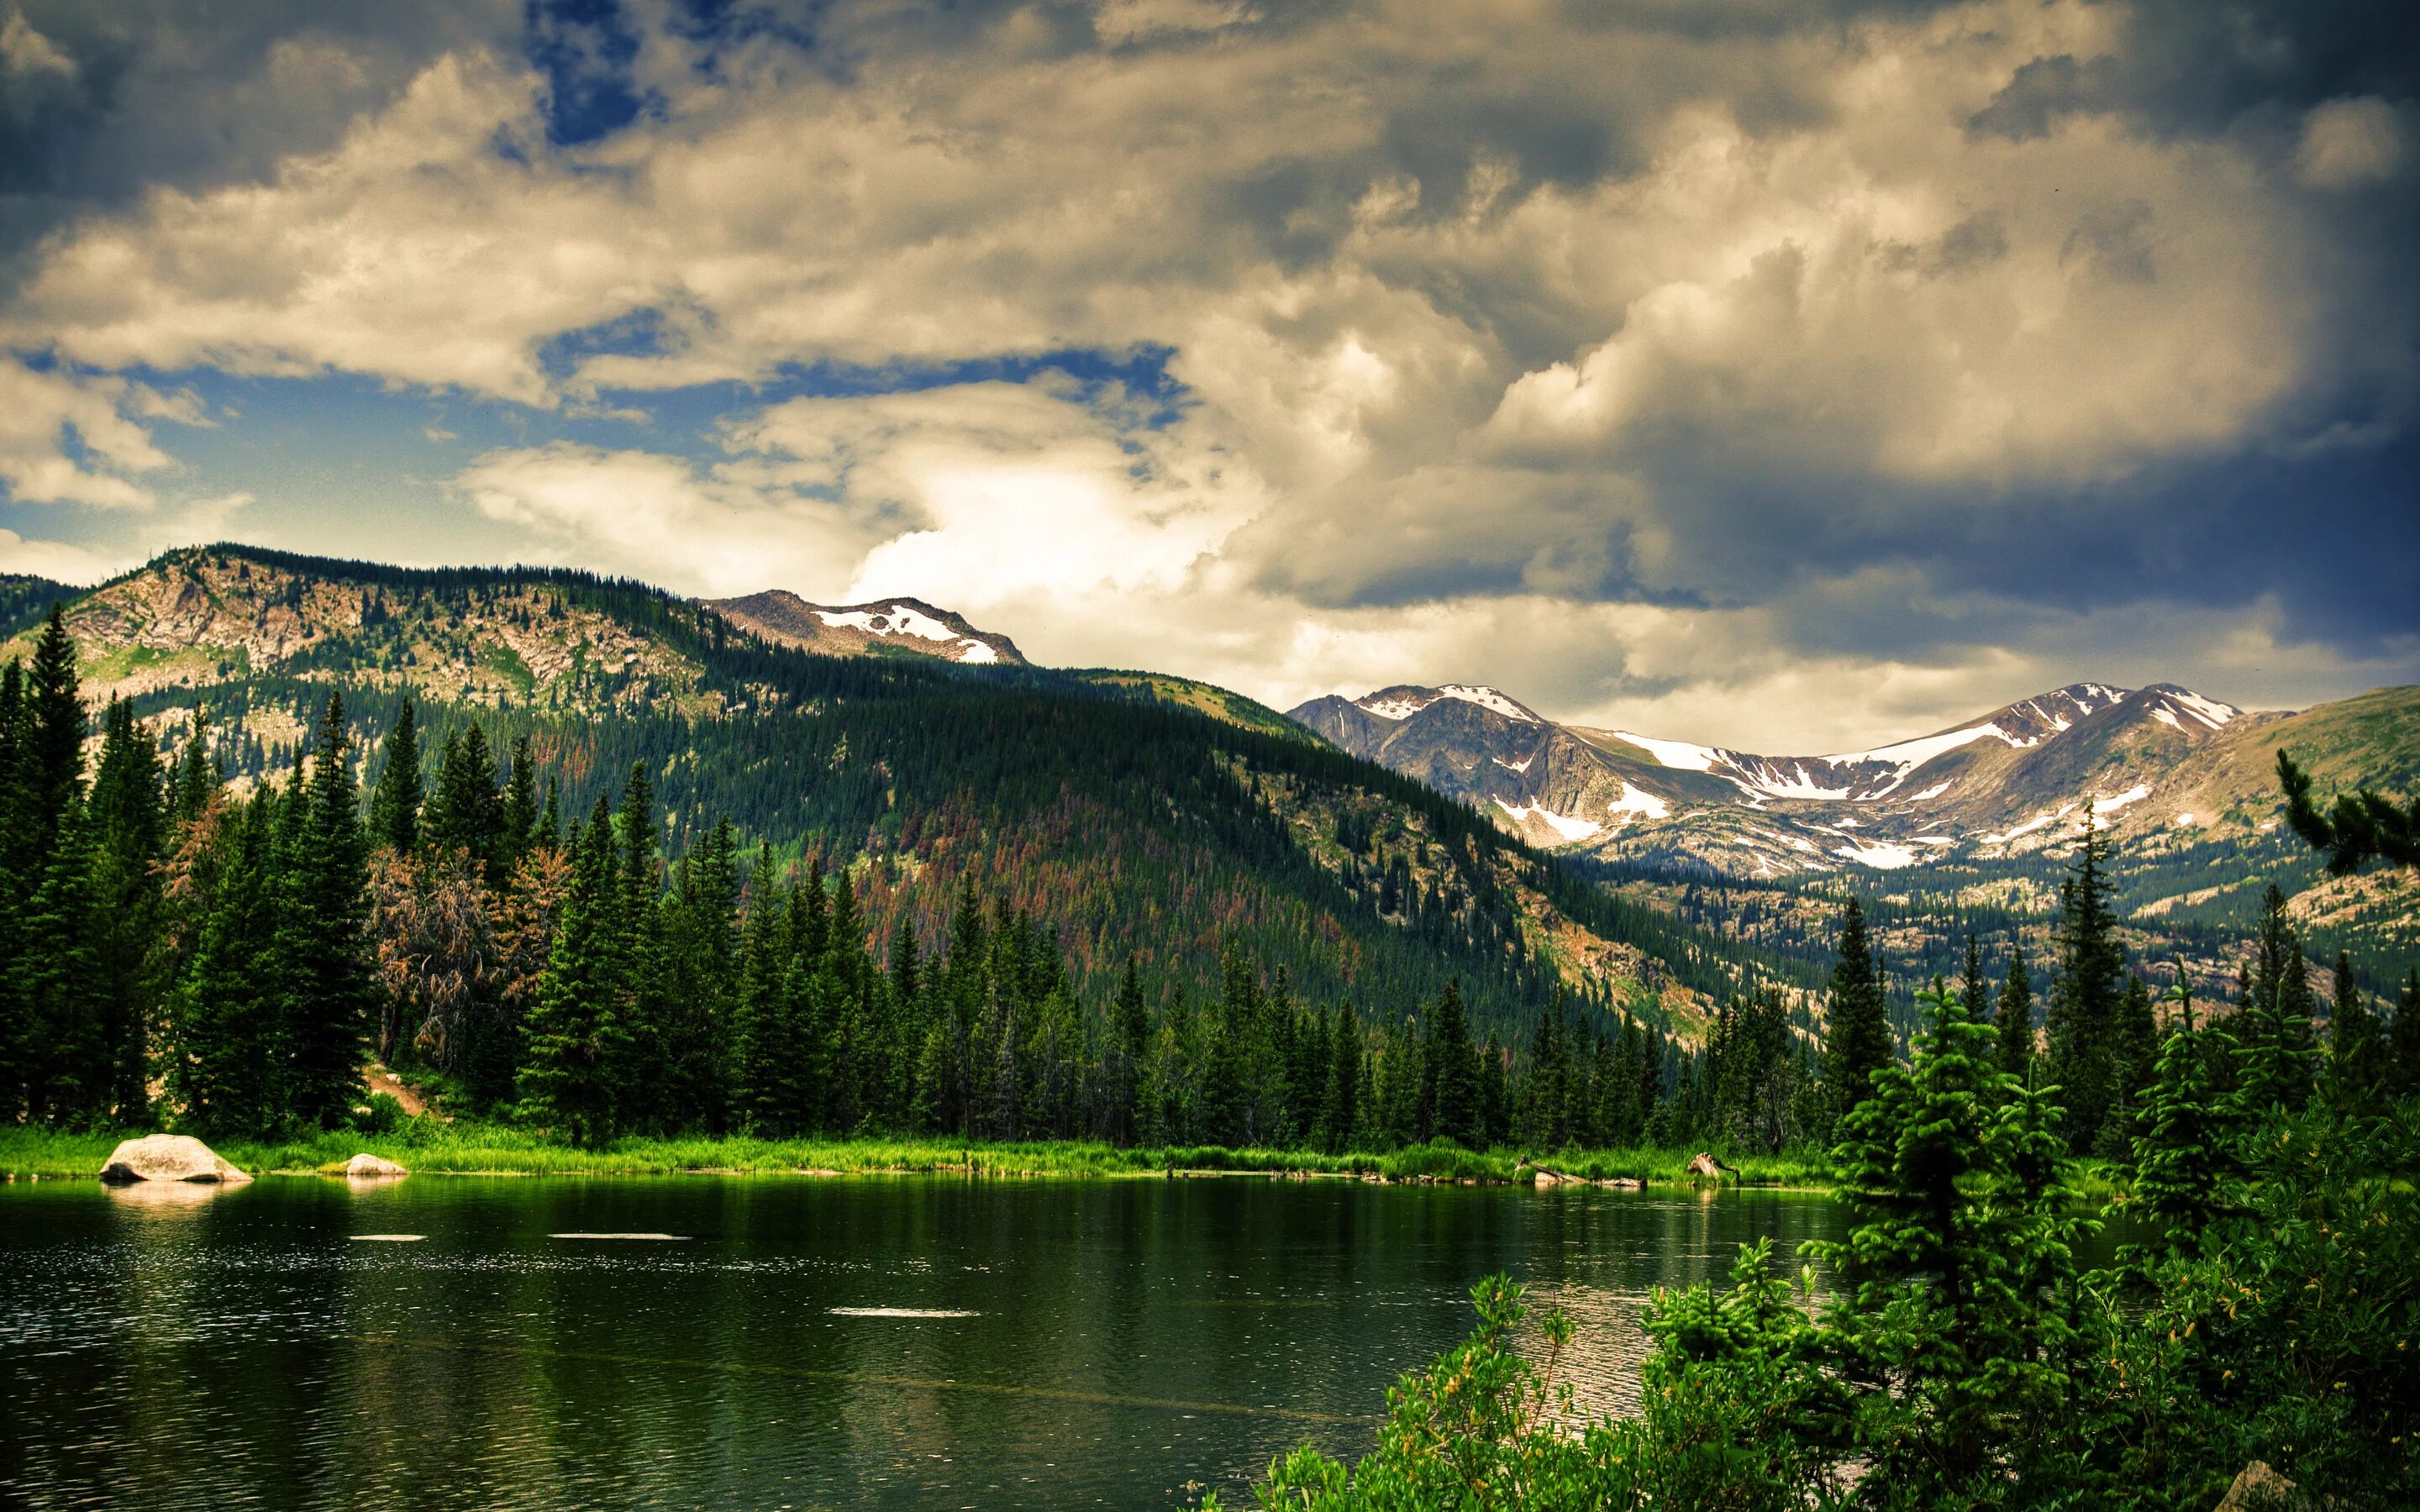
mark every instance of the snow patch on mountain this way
{"type": "Point", "coordinates": [897, 619]}
{"type": "Point", "coordinates": [1568, 829]}
{"type": "Point", "coordinates": [1640, 801]}
{"type": "Point", "coordinates": [1883, 855]}
{"type": "Point", "coordinates": [1677, 755]}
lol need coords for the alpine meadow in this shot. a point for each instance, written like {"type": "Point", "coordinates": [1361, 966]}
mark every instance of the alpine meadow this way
{"type": "Point", "coordinates": [1169, 753]}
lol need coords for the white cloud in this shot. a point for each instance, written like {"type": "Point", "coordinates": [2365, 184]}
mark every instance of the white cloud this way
{"type": "Point", "coordinates": [2347, 143]}
{"type": "Point", "coordinates": [1481, 316]}
{"type": "Point", "coordinates": [41, 411]}
{"type": "Point", "coordinates": [58, 560]}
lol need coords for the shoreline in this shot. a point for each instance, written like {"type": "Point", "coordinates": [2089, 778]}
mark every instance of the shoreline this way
{"type": "Point", "coordinates": [29, 1155]}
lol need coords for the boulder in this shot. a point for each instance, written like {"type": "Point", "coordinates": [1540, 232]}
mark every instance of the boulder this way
{"type": "Point", "coordinates": [2259, 1489]}
{"type": "Point", "coordinates": [366, 1164]}
{"type": "Point", "coordinates": [167, 1158]}
{"type": "Point", "coordinates": [1702, 1164]}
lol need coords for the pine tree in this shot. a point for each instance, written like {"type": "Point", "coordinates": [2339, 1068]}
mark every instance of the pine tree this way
{"type": "Point", "coordinates": [324, 945]}
{"type": "Point", "coordinates": [1458, 1112]}
{"type": "Point", "coordinates": [2014, 1024]}
{"type": "Point", "coordinates": [395, 806]}
{"type": "Point", "coordinates": [129, 830]}
{"type": "Point", "coordinates": [575, 1032]}
{"type": "Point", "coordinates": [2356, 1046]}
{"type": "Point", "coordinates": [2403, 1040]}
{"type": "Point", "coordinates": [223, 1041]}
{"type": "Point", "coordinates": [1856, 1019]}
{"type": "Point", "coordinates": [2277, 1057]}
{"type": "Point", "coordinates": [2084, 991]}
{"type": "Point", "coordinates": [2183, 1170]}
{"type": "Point", "coordinates": [1955, 1256]}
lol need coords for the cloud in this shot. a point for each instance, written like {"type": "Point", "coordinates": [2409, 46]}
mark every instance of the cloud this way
{"type": "Point", "coordinates": [56, 559]}
{"type": "Point", "coordinates": [1821, 338]}
{"type": "Point", "coordinates": [63, 438]}
{"type": "Point", "coordinates": [2349, 142]}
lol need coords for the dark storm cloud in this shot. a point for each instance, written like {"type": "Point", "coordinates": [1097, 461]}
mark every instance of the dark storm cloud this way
{"type": "Point", "coordinates": [157, 93]}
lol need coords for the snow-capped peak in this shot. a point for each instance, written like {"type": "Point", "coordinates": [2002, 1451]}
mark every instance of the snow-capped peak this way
{"type": "Point", "coordinates": [1402, 702]}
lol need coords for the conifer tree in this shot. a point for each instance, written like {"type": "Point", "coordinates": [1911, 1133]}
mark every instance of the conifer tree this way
{"type": "Point", "coordinates": [2183, 1168]}
{"type": "Point", "coordinates": [394, 805]}
{"type": "Point", "coordinates": [1856, 1019]}
{"type": "Point", "coordinates": [128, 823]}
{"type": "Point", "coordinates": [1458, 1111]}
{"type": "Point", "coordinates": [2277, 1057]}
{"type": "Point", "coordinates": [2014, 1024]}
{"type": "Point", "coordinates": [323, 947]}
{"type": "Point", "coordinates": [2356, 1046]}
{"type": "Point", "coordinates": [224, 1039]}
{"type": "Point", "coordinates": [2084, 992]}
{"type": "Point", "coordinates": [575, 1031]}
{"type": "Point", "coordinates": [2403, 1040]}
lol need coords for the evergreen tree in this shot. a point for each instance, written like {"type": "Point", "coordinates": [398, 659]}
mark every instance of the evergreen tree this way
{"type": "Point", "coordinates": [224, 1043]}
{"type": "Point", "coordinates": [2356, 1046]}
{"type": "Point", "coordinates": [2084, 992]}
{"type": "Point", "coordinates": [1458, 1110]}
{"type": "Point", "coordinates": [575, 1031]}
{"type": "Point", "coordinates": [394, 805]}
{"type": "Point", "coordinates": [2014, 1024]}
{"type": "Point", "coordinates": [2403, 1040]}
{"type": "Point", "coordinates": [2183, 1168]}
{"type": "Point", "coordinates": [2277, 1057]}
{"type": "Point", "coordinates": [1955, 1260]}
{"type": "Point", "coordinates": [127, 826]}
{"type": "Point", "coordinates": [323, 951]}
{"type": "Point", "coordinates": [1856, 1019]}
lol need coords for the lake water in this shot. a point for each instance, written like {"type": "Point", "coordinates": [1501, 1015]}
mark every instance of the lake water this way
{"type": "Point", "coordinates": [911, 1342]}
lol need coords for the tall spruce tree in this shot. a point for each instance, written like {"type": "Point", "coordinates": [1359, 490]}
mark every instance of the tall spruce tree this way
{"type": "Point", "coordinates": [2084, 991]}
{"type": "Point", "coordinates": [128, 827]}
{"type": "Point", "coordinates": [2356, 1046]}
{"type": "Point", "coordinates": [576, 1038]}
{"type": "Point", "coordinates": [394, 805]}
{"type": "Point", "coordinates": [2276, 1056]}
{"type": "Point", "coordinates": [1458, 1111]}
{"type": "Point", "coordinates": [324, 954]}
{"type": "Point", "coordinates": [2183, 1167]}
{"type": "Point", "coordinates": [1856, 1019]}
{"type": "Point", "coordinates": [2013, 1024]}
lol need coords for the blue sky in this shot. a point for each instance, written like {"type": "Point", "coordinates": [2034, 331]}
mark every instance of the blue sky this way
{"type": "Point", "coordinates": [1777, 376]}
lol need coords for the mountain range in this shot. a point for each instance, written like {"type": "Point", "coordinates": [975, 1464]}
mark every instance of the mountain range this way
{"type": "Point", "coordinates": [2161, 766]}
{"type": "Point", "coordinates": [1147, 817]}
{"type": "Point", "coordinates": [1375, 847]}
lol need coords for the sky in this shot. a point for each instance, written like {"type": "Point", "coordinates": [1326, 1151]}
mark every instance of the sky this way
{"type": "Point", "coordinates": [1783, 374]}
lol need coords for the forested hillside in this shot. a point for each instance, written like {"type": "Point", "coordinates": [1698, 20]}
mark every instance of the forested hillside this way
{"type": "Point", "coordinates": [1143, 823]}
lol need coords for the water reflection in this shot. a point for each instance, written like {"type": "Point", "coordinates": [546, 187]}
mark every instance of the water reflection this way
{"type": "Point", "coordinates": [866, 1342]}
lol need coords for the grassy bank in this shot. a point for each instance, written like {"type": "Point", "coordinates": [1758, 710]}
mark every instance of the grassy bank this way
{"type": "Point", "coordinates": [462, 1147]}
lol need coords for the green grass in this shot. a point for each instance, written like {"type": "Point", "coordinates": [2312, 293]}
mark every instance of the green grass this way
{"type": "Point", "coordinates": [429, 1146]}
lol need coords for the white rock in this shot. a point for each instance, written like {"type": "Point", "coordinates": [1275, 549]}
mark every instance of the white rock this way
{"type": "Point", "coordinates": [366, 1164]}
{"type": "Point", "coordinates": [169, 1158]}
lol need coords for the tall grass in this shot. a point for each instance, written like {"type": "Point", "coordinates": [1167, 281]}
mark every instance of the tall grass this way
{"type": "Point", "coordinates": [428, 1145]}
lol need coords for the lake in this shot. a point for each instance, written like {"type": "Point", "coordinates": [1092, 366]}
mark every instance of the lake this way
{"type": "Point", "coordinates": [909, 1342]}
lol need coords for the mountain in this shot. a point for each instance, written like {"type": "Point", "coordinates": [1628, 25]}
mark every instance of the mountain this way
{"type": "Point", "coordinates": [1146, 816]}
{"type": "Point", "coordinates": [1964, 830]}
{"type": "Point", "coordinates": [884, 628]}
{"type": "Point", "coordinates": [2156, 759]}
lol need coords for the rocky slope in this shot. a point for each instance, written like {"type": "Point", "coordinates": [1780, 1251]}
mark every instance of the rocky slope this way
{"type": "Point", "coordinates": [885, 627]}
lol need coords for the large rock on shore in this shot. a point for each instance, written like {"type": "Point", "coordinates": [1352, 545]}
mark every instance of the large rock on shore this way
{"type": "Point", "coordinates": [2259, 1489]}
{"type": "Point", "coordinates": [368, 1164]}
{"type": "Point", "coordinates": [169, 1158]}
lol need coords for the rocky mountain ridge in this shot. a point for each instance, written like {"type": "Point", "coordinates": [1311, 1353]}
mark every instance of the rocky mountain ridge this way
{"type": "Point", "coordinates": [2165, 764]}
{"type": "Point", "coordinates": [879, 628]}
